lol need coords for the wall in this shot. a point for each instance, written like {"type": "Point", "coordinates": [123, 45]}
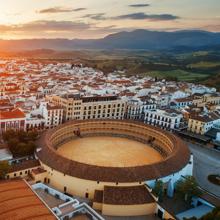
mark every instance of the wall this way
{"type": "Point", "coordinates": [129, 210]}
{"type": "Point", "coordinates": [186, 171]}
{"type": "Point", "coordinates": [97, 206]}
{"type": "Point", "coordinates": [39, 176]}
{"type": "Point", "coordinates": [76, 186]}
{"type": "Point", "coordinates": [20, 173]}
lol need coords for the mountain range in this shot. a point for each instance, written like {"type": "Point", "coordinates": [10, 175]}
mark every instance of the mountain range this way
{"type": "Point", "coordinates": [134, 40]}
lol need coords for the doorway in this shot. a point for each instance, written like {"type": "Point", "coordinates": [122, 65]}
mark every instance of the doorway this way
{"type": "Point", "coordinates": [160, 214]}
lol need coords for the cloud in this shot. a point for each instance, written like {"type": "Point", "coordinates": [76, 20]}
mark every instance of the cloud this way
{"type": "Point", "coordinates": [57, 29]}
{"type": "Point", "coordinates": [79, 9]}
{"type": "Point", "coordinates": [44, 25]}
{"type": "Point", "coordinates": [59, 10]}
{"type": "Point", "coordinates": [139, 5]}
{"type": "Point", "coordinates": [97, 16]}
{"type": "Point", "coordinates": [133, 16]}
{"type": "Point", "coordinates": [143, 16]}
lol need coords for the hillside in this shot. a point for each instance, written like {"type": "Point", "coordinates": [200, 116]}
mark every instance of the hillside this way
{"type": "Point", "coordinates": [138, 39]}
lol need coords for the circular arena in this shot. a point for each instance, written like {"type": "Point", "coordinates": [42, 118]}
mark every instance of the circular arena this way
{"type": "Point", "coordinates": [131, 151]}
{"type": "Point", "coordinates": [86, 157]}
{"type": "Point", "coordinates": [109, 152]}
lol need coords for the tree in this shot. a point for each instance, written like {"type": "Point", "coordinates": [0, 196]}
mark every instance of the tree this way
{"type": "Point", "coordinates": [4, 168]}
{"type": "Point", "coordinates": [158, 189]}
{"type": "Point", "coordinates": [187, 188]}
{"type": "Point", "coordinates": [20, 143]}
{"type": "Point", "coordinates": [8, 135]}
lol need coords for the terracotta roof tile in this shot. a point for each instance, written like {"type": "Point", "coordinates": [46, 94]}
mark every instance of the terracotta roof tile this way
{"type": "Point", "coordinates": [15, 113]}
{"type": "Point", "coordinates": [18, 201]}
{"type": "Point", "coordinates": [127, 195]}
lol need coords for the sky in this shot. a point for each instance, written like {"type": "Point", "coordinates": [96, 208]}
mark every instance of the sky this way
{"type": "Point", "coordinates": [90, 19]}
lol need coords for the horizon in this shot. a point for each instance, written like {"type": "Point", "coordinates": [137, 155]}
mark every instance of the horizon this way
{"type": "Point", "coordinates": [68, 19]}
{"type": "Point", "coordinates": [158, 31]}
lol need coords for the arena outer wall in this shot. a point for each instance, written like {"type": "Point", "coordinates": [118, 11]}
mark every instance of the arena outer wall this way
{"type": "Point", "coordinates": [83, 179]}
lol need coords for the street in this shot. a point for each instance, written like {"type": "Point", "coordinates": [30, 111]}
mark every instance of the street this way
{"type": "Point", "coordinates": [206, 162]}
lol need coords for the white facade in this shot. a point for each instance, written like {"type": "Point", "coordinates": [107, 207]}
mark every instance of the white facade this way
{"type": "Point", "coordinates": [163, 119]}
{"type": "Point", "coordinates": [186, 171]}
{"type": "Point", "coordinates": [161, 100]}
{"type": "Point", "coordinates": [136, 107]}
{"type": "Point", "coordinates": [53, 115]}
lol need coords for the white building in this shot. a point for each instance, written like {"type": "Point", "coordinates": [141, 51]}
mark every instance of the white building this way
{"type": "Point", "coordinates": [181, 103]}
{"type": "Point", "coordinates": [162, 100]}
{"type": "Point", "coordinates": [52, 114]}
{"type": "Point", "coordinates": [136, 108]}
{"type": "Point", "coordinates": [166, 119]}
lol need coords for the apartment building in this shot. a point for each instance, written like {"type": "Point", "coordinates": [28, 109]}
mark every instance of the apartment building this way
{"type": "Point", "coordinates": [181, 103]}
{"type": "Point", "coordinates": [202, 123]}
{"type": "Point", "coordinates": [162, 100]}
{"type": "Point", "coordinates": [12, 119]}
{"type": "Point", "coordinates": [202, 100]}
{"type": "Point", "coordinates": [71, 104]}
{"type": "Point", "coordinates": [167, 119]}
{"type": "Point", "coordinates": [77, 107]}
{"type": "Point", "coordinates": [136, 108]}
{"type": "Point", "coordinates": [212, 99]}
{"type": "Point", "coordinates": [53, 114]}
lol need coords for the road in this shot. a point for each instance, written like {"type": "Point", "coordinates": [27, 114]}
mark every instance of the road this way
{"type": "Point", "coordinates": [206, 162]}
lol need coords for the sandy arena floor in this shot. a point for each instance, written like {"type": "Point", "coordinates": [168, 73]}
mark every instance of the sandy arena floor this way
{"type": "Point", "coordinates": [109, 151]}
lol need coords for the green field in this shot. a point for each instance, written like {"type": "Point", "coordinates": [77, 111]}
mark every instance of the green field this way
{"type": "Point", "coordinates": [180, 75]}
{"type": "Point", "coordinates": [204, 64]}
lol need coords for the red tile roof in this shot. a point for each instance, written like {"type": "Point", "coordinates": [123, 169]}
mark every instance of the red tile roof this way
{"type": "Point", "coordinates": [18, 201]}
{"type": "Point", "coordinates": [15, 113]}
{"type": "Point", "coordinates": [127, 195]}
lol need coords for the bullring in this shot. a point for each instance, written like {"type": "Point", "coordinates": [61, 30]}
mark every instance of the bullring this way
{"type": "Point", "coordinates": [84, 177]}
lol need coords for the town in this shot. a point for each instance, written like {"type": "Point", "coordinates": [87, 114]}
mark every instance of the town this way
{"type": "Point", "coordinates": [39, 95]}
